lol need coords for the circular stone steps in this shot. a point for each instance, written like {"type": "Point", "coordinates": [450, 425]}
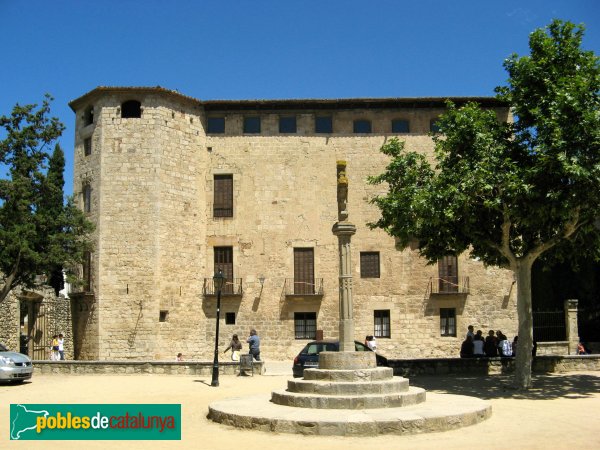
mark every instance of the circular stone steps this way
{"type": "Point", "coordinates": [441, 412]}
{"type": "Point", "coordinates": [348, 395]}
{"type": "Point", "coordinates": [397, 384]}
{"type": "Point", "coordinates": [372, 401]}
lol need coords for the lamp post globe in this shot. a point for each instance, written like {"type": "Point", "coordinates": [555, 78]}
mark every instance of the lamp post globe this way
{"type": "Point", "coordinates": [218, 280]}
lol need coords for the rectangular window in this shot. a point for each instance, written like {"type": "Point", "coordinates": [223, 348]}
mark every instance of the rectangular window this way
{"type": "Point", "coordinates": [252, 125]}
{"type": "Point", "coordinates": [224, 261]}
{"type": "Point", "coordinates": [163, 315]}
{"type": "Point", "coordinates": [87, 272]}
{"type": "Point", "coordinates": [215, 125]}
{"type": "Point", "coordinates": [304, 271]}
{"type": "Point", "coordinates": [87, 146]}
{"type": "Point", "coordinates": [447, 321]}
{"type": "Point", "coordinates": [223, 201]}
{"type": "Point", "coordinates": [369, 264]}
{"type": "Point", "coordinates": [305, 325]}
{"type": "Point", "coordinates": [87, 198]}
{"type": "Point", "coordinates": [448, 274]}
{"type": "Point", "coordinates": [362, 126]}
{"type": "Point", "coordinates": [400, 126]}
{"type": "Point", "coordinates": [433, 125]}
{"type": "Point", "coordinates": [287, 124]}
{"type": "Point", "coordinates": [229, 318]}
{"type": "Point", "coordinates": [323, 124]}
{"type": "Point", "coordinates": [381, 318]}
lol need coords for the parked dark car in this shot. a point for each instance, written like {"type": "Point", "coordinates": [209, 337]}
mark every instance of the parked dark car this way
{"type": "Point", "coordinates": [14, 367]}
{"type": "Point", "coordinates": [309, 356]}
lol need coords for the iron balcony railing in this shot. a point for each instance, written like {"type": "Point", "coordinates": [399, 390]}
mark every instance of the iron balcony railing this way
{"type": "Point", "coordinates": [231, 287]}
{"type": "Point", "coordinates": [449, 285]}
{"type": "Point", "coordinates": [293, 287]}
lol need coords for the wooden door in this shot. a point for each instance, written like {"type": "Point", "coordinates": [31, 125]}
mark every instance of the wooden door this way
{"type": "Point", "coordinates": [304, 271]}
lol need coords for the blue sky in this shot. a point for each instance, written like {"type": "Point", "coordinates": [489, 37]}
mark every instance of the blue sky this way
{"type": "Point", "coordinates": [261, 49]}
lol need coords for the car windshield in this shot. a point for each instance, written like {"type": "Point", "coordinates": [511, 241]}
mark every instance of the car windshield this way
{"type": "Point", "coordinates": [317, 347]}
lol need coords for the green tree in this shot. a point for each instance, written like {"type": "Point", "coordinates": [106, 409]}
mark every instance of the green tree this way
{"type": "Point", "coordinates": [39, 233]}
{"type": "Point", "coordinates": [509, 192]}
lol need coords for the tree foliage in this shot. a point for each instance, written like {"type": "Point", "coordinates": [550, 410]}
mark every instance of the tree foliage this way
{"type": "Point", "coordinates": [509, 191]}
{"type": "Point", "coordinates": [39, 233]}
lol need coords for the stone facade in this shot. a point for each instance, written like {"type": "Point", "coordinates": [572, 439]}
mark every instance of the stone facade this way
{"type": "Point", "coordinates": [152, 195]}
{"type": "Point", "coordinates": [37, 314]}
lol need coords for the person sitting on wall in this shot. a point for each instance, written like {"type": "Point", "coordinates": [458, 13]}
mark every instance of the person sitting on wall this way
{"type": "Point", "coordinates": [478, 344]}
{"type": "Point", "coordinates": [466, 349]}
{"type": "Point", "coordinates": [581, 350]}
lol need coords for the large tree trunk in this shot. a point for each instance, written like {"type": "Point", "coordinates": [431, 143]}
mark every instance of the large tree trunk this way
{"type": "Point", "coordinates": [524, 311]}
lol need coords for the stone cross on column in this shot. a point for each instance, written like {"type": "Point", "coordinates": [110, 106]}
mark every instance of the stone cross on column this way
{"type": "Point", "coordinates": [344, 231]}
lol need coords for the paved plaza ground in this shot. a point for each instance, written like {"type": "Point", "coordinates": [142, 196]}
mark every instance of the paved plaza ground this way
{"type": "Point", "coordinates": [560, 412]}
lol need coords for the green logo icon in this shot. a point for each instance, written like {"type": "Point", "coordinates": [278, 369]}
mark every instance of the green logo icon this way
{"type": "Point", "coordinates": [95, 422]}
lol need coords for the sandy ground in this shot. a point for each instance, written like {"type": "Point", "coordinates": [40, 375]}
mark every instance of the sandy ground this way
{"type": "Point", "coordinates": [560, 412]}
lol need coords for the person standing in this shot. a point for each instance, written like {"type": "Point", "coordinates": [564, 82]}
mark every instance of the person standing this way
{"type": "Point", "coordinates": [254, 343]}
{"type": "Point", "coordinates": [490, 347]}
{"type": "Point", "coordinates": [54, 355]}
{"type": "Point", "coordinates": [236, 347]}
{"type": "Point", "coordinates": [470, 332]}
{"type": "Point", "coordinates": [61, 347]}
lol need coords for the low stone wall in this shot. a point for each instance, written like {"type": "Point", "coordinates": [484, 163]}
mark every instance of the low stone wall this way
{"type": "Point", "coordinates": [491, 366]}
{"type": "Point", "coordinates": [402, 367]}
{"type": "Point", "coordinates": [139, 367]}
{"type": "Point", "coordinates": [552, 348]}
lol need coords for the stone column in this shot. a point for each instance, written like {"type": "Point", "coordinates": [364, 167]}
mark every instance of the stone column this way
{"type": "Point", "coordinates": [571, 325]}
{"type": "Point", "coordinates": [344, 232]}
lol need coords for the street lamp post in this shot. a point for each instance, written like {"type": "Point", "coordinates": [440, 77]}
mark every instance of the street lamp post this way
{"type": "Point", "coordinates": [218, 280]}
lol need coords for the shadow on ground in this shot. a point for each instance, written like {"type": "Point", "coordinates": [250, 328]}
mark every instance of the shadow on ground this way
{"type": "Point", "coordinates": [544, 387]}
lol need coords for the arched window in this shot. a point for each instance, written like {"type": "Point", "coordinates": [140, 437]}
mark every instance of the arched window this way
{"type": "Point", "coordinates": [131, 109]}
{"type": "Point", "coordinates": [88, 116]}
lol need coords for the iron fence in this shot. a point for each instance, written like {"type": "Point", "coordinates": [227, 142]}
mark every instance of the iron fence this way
{"type": "Point", "coordinates": [549, 326]}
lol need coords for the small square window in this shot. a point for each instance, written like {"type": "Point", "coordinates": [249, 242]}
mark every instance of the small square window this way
{"type": "Point", "coordinates": [305, 325]}
{"type": "Point", "coordinates": [252, 125]}
{"type": "Point", "coordinates": [362, 126]}
{"type": "Point", "coordinates": [229, 318]}
{"type": "Point", "coordinates": [433, 125]}
{"type": "Point", "coordinates": [287, 124]}
{"type": "Point", "coordinates": [369, 264]}
{"type": "Point", "coordinates": [87, 146]}
{"type": "Point", "coordinates": [323, 124]}
{"type": "Point", "coordinates": [381, 317]}
{"type": "Point", "coordinates": [215, 125]}
{"type": "Point", "coordinates": [163, 315]}
{"type": "Point", "coordinates": [400, 126]}
{"type": "Point", "coordinates": [448, 321]}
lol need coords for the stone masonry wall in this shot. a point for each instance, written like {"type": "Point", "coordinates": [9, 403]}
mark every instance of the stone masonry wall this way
{"type": "Point", "coordinates": [152, 194]}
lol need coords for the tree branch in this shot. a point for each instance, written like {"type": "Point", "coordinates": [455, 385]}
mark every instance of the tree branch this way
{"type": "Point", "coordinates": [9, 282]}
{"type": "Point", "coordinates": [505, 247]}
{"type": "Point", "coordinates": [569, 229]}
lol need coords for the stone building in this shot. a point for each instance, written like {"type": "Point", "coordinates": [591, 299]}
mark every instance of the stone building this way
{"type": "Point", "coordinates": [180, 187]}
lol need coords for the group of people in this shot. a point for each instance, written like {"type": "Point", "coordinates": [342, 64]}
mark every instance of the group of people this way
{"type": "Point", "coordinates": [236, 346]}
{"type": "Point", "coordinates": [57, 348]}
{"type": "Point", "coordinates": [494, 344]}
